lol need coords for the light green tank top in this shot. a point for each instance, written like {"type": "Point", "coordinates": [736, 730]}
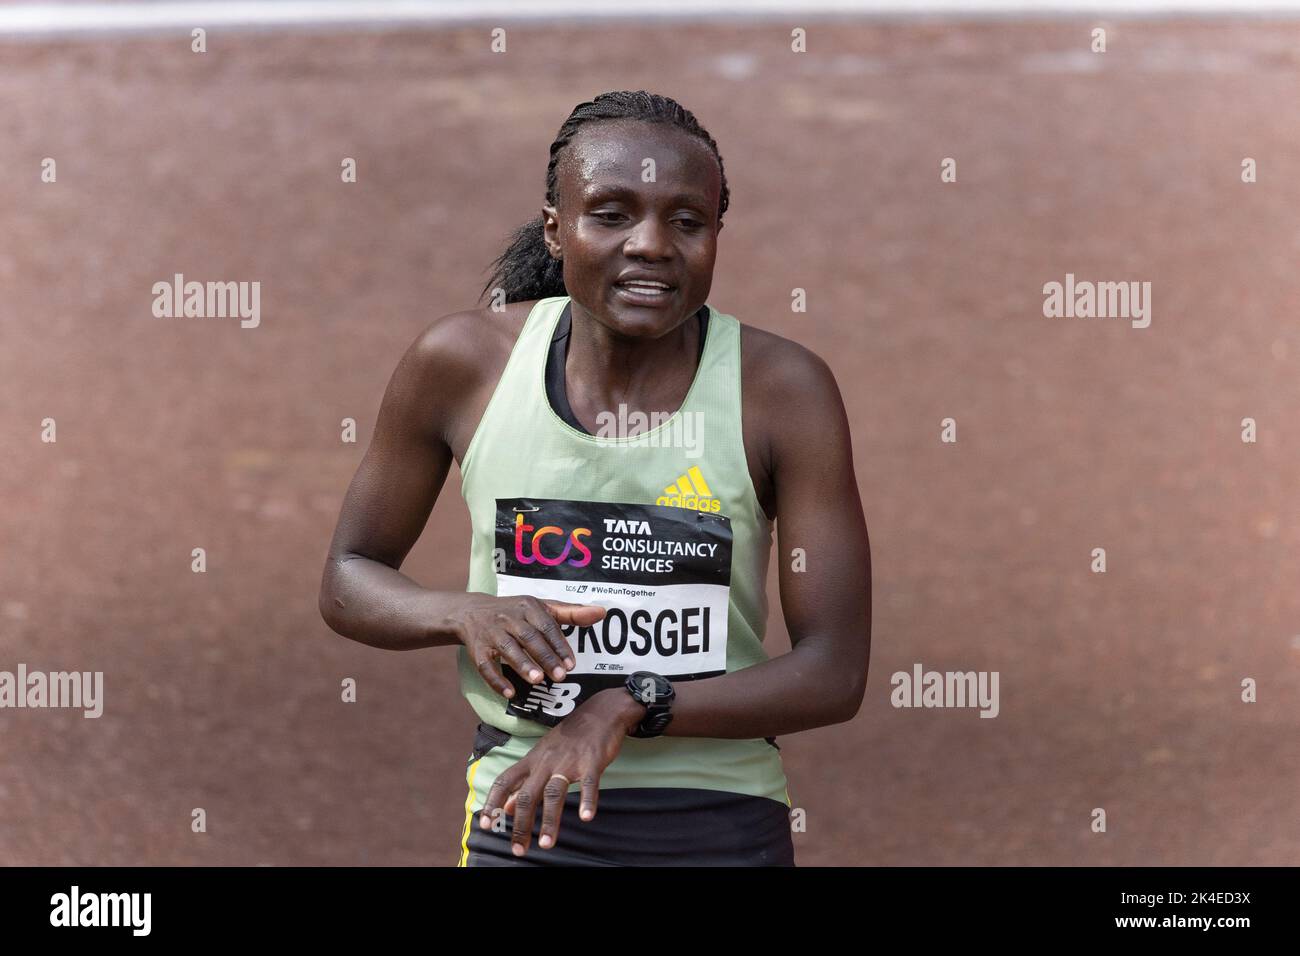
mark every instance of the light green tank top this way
{"type": "Point", "coordinates": [640, 525]}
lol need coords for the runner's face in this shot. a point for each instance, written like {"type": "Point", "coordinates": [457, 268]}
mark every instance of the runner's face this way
{"type": "Point", "coordinates": [609, 223]}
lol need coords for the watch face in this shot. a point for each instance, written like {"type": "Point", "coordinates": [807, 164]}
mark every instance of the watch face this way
{"type": "Point", "coordinates": [647, 687]}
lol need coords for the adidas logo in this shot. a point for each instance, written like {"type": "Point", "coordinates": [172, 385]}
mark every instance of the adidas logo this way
{"type": "Point", "coordinates": [690, 491]}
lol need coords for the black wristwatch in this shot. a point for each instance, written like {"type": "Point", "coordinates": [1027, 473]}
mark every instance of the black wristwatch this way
{"type": "Point", "coordinates": [657, 694]}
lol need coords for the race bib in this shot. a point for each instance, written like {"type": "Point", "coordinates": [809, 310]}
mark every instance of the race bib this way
{"type": "Point", "coordinates": [662, 573]}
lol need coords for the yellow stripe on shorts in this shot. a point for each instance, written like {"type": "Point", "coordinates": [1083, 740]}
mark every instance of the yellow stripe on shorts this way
{"type": "Point", "coordinates": [469, 814]}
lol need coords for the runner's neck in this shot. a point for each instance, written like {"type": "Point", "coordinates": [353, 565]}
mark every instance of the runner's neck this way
{"type": "Point", "coordinates": [557, 360]}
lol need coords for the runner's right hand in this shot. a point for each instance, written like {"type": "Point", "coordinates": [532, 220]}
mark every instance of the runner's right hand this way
{"type": "Point", "coordinates": [521, 631]}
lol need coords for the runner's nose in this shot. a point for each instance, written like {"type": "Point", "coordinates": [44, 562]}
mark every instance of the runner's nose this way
{"type": "Point", "coordinates": [649, 240]}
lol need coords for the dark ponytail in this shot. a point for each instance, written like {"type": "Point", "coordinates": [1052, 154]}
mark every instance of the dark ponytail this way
{"type": "Point", "coordinates": [526, 270]}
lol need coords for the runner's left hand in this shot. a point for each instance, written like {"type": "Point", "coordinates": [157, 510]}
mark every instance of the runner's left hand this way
{"type": "Point", "coordinates": [580, 747]}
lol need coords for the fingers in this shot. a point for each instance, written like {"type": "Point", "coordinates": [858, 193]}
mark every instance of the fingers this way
{"type": "Point", "coordinates": [541, 655]}
{"type": "Point", "coordinates": [540, 617]}
{"type": "Point", "coordinates": [514, 653]}
{"type": "Point", "coordinates": [553, 796]}
{"type": "Point", "coordinates": [515, 792]}
{"type": "Point", "coordinates": [519, 794]}
{"type": "Point", "coordinates": [487, 667]}
{"type": "Point", "coordinates": [524, 647]}
{"type": "Point", "coordinates": [525, 633]}
{"type": "Point", "coordinates": [582, 615]}
{"type": "Point", "coordinates": [590, 789]}
{"type": "Point", "coordinates": [502, 788]}
{"type": "Point", "coordinates": [525, 812]}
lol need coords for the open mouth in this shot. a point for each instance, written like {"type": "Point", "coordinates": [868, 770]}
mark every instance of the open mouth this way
{"type": "Point", "coordinates": [644, 290]}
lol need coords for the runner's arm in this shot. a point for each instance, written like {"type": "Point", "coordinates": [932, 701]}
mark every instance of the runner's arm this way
{"type": "Point", "coordinates": [363, 595]}
{"type": "Point", "coordinates": [827, 606]}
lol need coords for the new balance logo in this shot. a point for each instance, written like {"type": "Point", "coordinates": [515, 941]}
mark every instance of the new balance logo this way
{"type": "Point", "coordinates": [556, 700]}
{"type": "Point", "coordinates": [690, 491]}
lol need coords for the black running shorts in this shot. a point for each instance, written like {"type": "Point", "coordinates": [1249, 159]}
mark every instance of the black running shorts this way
{"type": "Point", "coordinates": [643, 827]}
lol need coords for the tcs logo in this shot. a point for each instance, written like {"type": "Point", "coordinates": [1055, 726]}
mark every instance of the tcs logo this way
{"type": "Point", "coordinates": [535, 551]}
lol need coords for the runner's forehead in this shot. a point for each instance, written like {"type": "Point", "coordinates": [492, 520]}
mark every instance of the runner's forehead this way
{"type": "Point", "coordinates": [613, 160]}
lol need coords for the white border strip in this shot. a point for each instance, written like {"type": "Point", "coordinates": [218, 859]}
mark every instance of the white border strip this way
{"type": "Point", "coordinates": [69, 18]}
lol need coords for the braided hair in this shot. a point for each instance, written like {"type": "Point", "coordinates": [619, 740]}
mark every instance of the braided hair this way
{"type": "Point", "coordinates": [526, 269]}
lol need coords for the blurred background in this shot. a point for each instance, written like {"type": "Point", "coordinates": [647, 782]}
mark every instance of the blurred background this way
{"type": "Point", "coordinates": [1119, 691]}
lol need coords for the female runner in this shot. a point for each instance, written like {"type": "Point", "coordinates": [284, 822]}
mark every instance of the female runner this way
{"type": "Point", "coordinates": [625, 450]}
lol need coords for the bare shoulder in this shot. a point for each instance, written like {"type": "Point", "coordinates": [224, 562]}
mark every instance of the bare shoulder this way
{"type": "Point", "coordinates": [465, 342]}
{"type": "Point", "coordinates": [778, 372]}
{"type": "Point", "coordinates": [787, 393]}
{"type": "Point", "coordinates": [458, 360]}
